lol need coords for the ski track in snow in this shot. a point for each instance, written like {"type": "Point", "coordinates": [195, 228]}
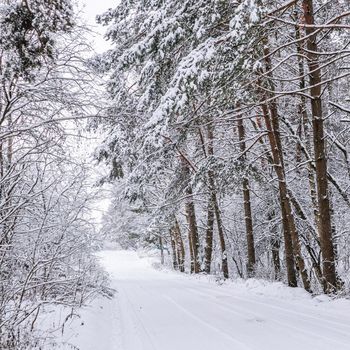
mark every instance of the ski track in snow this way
{"type": "Point", "coordinates": [157, 310]}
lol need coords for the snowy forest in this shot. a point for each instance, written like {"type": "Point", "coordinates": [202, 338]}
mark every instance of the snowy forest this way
{"type": "Point", "coordinates": [218, 130]}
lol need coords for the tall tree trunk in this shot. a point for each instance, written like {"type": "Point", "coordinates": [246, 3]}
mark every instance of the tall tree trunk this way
{"type": "Point", "coordinates": [275, 249]}
{"type": "Point", "coordinates": [302, 216]}
{"type": "Point", "coordinates": [304, 126]}
{"type": "Point", "coordinates": [325, 226]}
{"type": "Point", "coordinates": [192, 231]}
{"type": "Point", "coordinates": [173, 249]}
{"type": "Point", "coordinates": [272, 124]}
{"type": "Point", "coordinates": [275, 246]}
{"type": "Point", "coordinates": [214, 200]}
{"type": "Point", "coordinates": [273, 159]}
{"type": "Point", "coordinates": [180, 248]}
{"type": "Point", "coordinates": [247, 203]}
{"type": "Point", "coordinates": [221, 239]}
{"type": "Point", "coordinates": [291, 239]}
{"type": "Point", "coordinates": [208, 251]}
{"type": "Point", "coordinates": [161, 247]}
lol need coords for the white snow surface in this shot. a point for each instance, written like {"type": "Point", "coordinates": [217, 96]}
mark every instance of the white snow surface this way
{"type": "Point", "coordinates": [164, 310]}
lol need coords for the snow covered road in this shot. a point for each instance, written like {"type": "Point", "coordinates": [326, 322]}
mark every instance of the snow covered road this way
{"type": "Point", "coordinates": [155, 310]}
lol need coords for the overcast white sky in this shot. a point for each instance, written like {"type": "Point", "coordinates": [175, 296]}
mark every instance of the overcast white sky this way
{"type": "Point", "coordinates": [91, 8]}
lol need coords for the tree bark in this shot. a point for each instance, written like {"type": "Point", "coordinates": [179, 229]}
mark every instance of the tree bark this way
{"type": "Point", "coordinates": [275, 247]}
{"type": "Point", "coordinates": [291, 240]}
{"type": "Point", "coordinates": [221, 239]}
{"type": "Point", "coordinates": [180, 248]}
{"type": "Point", "coordinates": [247, 204]}
{"type": "Point", "coordinates": [192, 230]}
{"type": "Point", "coordinates": [214, 201]}
{"type": "Point", "coordinates": [272, 123]}
{"type": "Point", "coordinates": [161, 250]}
{"type": "Point", "coordinates": [325, 226]}
{"type": "Point", "coordinates": [173, 249]}
{"type": "Point", "coordinates": [208, 251]}
{"type": "Point", "coordinates": [209, 234]}
{"type": "Point", "coordinates": [304, 131]}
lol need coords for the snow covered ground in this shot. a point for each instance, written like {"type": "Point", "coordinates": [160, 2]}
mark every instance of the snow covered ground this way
{"type": "Point", "coordinates": [162, 310]}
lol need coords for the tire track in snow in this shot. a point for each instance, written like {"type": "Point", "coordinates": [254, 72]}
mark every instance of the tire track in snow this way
{"type": "Point", "coordinates": [166, 311]}
{"type": "Point", "coordinates": [144, 338]}
{"type": "Point", "coordinates": [297, 313]}
{"type": "Point", "coordinates": [242, 345]}
{"type": "Point", "coordinates": [154, 296]}
{"type": "Point", "coordinates": [229, 307]}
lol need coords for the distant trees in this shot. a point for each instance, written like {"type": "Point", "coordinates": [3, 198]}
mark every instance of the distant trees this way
{"type": "Point", "coordinates": [218, 109]}
{"type": "Point", "coordinates": [45, 235]}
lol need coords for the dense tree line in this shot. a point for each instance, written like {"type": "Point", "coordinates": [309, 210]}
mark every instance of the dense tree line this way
{"type": "Point", "coordinates": [228, 125]}
{"type": "Point", "coordinates": [46, 237]}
